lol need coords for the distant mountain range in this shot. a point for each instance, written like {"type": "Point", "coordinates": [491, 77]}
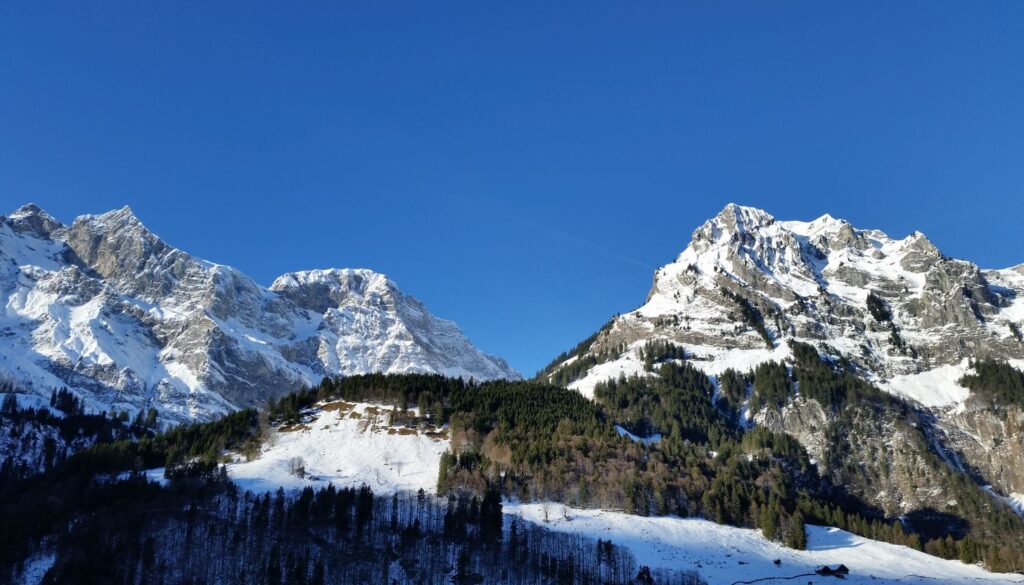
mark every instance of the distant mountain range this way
{"type": "Point", "coordinates": [779, 374]}
{"type": "Point", "coordinates": [106, 308]}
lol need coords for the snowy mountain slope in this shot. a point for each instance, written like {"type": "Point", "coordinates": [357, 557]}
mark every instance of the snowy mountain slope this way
{"type": "Point", "coordinates": [337, 447]}
{"type": "Point", "coordinates": [347, 445]}
{"type": "Point", "coordinates": [810, 281]}
{"type": "Point", "coordinates": [368, 325]}
{"type": "Point", "coordinates": [725, 554]}
{"type": "Point", "coordinates": [907, 317]}
{"type": "Point", "coordinates": [106, 308]}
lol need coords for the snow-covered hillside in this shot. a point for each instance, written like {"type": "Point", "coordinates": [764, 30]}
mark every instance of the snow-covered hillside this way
{"type": "Point", "coordinates": [353, 444]}
{"type": "Point", "coordinates": [347, 445]}
{"type": "Point", "coordinates": [106, 308]}
{"type": "Point", "coordinates": [725, 554]}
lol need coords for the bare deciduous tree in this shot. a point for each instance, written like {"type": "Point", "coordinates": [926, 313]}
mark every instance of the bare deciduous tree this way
{"type": "Point", "coordinates": [297, 466]}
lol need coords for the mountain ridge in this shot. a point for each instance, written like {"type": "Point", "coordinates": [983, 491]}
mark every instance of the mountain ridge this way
{"type": "Point", "coordinates": [107, 308]}
{"type": "Point", "coordinates": [810, 281]}
{"type": "Point", "coordinates": [751, 300]}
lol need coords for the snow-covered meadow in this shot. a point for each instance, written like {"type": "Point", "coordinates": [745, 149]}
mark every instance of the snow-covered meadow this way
{"type": "Point", "coordinates": [347, 445]}
{"type": "Point", "coordinates": [726, 554]}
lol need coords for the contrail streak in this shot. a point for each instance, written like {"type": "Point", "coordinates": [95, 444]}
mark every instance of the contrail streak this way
{"type": "Point", "coordinates": [556, 233]}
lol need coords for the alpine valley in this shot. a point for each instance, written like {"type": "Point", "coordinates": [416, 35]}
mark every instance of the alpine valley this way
{"type": "Point", "coordinates": [793, 402]}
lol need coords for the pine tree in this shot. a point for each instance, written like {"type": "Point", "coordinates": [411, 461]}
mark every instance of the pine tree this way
{"type": "Point", "coordinates": [796, 533]}
{"type": "Point", "coordinates": [490, 516]}
{"type": "Point", "coordinates": [769, 521]}
{"type": "Point", "coordinates": [10, 404]}
{"type": "Point", "coordinates": [151, 418]}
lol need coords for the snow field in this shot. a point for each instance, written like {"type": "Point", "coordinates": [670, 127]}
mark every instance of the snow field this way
{"type": "Point", "coordinates": [347, 445]}
{"type": "Point", "coordinates": [725, 554]}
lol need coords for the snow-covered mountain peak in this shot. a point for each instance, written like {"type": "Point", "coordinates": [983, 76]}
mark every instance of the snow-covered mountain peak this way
{"type": "Point", "coordinates": [108, 309]}
{"type": "Point", "coordinates": [743, 217]}
{"type": "Point", "coordinates": [119, 248]}
{"type": "Point", "coordinates": [749, 244]}
{"type": "Point", "coordinates": [321, 290]}
{"type": "Point", "coordinates": [115, 222]}
{"type": "Point", "coordinates": [732, 224]}
{"type": "Point", "coordinates": [28, 210]}
{"type": "Point", "coordinates": [823, 226]}
{"type": "Point", "coordinates": [350, 279]}
{"type": "Point", "coordinates": [370, 303]}
{"type": "Point", "coordinates": [31, 218]}
{"type": "Point", "coordinates": [123, 214]}
{"type": "Point", "coordinates": [747, 283]}
{"type": "Point", "coordinates": [919, 241]}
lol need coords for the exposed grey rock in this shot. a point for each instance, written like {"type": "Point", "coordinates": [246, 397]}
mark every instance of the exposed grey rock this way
{"type": "Point", "coordinates": [809, 281]}
{"type": "Point", "coordinates": [107, 308]}
{"type": "Point", "coordinates": [990, 442]}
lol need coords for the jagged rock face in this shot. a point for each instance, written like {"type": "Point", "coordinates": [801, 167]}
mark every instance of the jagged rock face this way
{"type": "Point", "coordinates": [874, 453]}
{"type": "Point", "coordinates": [989, 443]}
{"type": "Point", "coordinates": [806, 420]}
{"type": "Point", "coordinates": [810, 281]}
{"type": "Point", "coordinates": [368, 325]}
{"type": "Point", "coordinates": [105, 307]}
{"type": "Point", "coordinates": [748, 283]}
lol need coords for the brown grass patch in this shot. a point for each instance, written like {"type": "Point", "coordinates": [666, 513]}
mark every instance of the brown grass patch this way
{"type": "Point", "coordinates": [293, 428]}
{"type": "Point", "coordinates": [339, 405]}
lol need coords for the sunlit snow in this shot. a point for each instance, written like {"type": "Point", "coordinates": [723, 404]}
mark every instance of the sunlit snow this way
{"type": "Point", "coordinates": [347, 445]}
{"type": "Point", "coordinates": [726, 554]}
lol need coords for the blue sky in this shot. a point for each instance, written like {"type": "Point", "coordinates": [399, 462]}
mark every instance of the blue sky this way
{"type": "Point", "coordinates": [520, 167]}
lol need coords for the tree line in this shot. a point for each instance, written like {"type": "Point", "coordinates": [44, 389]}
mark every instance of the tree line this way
{"type": "Point", "coordinates": [201, 529]}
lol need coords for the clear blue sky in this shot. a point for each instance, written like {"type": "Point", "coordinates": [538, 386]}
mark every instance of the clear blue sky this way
{"type": "Point", "coordinates": [520, 167]}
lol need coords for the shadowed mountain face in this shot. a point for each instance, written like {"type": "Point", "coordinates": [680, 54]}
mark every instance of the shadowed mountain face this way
{"type": "Point", "coordinates": [106, 308]}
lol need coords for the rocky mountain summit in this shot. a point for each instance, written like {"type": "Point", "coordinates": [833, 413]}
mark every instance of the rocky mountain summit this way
{"type": "Point", "coordinates": [106, 308]}
{"type": "Point", "coordinates": [748, 283]}
{"type": "Point", "coordinates": [898, 313]}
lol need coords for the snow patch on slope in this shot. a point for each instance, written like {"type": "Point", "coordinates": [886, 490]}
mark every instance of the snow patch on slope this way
{"type": "Point", "coordinates": [934, 388]}
{"type": "Point", "coordinates": [652, 440]}
{"type": "Point", "coordinates": [36, 567]}
{"type": "Point", "coordinates": [347, 445]}
{"type": "Point", "coordinates": [714, 361]}
{"type": "Point", "coordinates": [628, 365]}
